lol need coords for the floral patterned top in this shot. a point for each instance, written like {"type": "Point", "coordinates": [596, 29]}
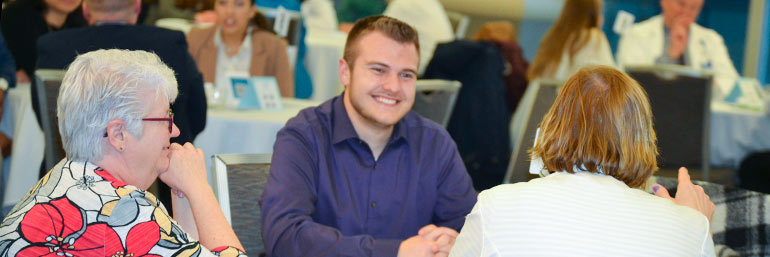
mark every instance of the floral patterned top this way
{"type": "Point", "coordinates": [78, 209]}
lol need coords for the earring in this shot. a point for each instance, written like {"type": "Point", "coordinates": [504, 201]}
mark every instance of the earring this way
{"type": "Point", "coordinates": [121, 148]}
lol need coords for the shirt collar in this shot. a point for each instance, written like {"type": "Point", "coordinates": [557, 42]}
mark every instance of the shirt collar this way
{"type": "Point", "coordinates": [244, 45]}
{"type": "Point", "coordinates": [342, 127]}
{"type": "Point", "coordinates": [103, 23]}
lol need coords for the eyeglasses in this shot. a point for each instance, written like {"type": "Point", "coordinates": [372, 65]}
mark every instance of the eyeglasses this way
{"type": "Point", "coordinates": [169, 119]}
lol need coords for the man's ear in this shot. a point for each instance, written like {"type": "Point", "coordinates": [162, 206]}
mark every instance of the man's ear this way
{"type": "Point", "coordinates": [345, 72]}
{"type": "Point", "coordinates": [116, 134]}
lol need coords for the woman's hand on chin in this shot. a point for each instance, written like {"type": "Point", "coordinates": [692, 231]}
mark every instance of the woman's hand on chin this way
{"type": "Point", "coordinates": [186, 169]}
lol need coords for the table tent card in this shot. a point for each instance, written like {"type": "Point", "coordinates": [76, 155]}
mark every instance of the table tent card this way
{"type": "Point", "coordinates": [267, 95]}
{"type": "Point", "coordinates": [254, 93]}
{"type": "Point", "coordinates": [747, 94]}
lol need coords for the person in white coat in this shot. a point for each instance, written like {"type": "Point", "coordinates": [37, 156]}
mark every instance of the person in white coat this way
{"type": "Point", "coordinates": [674, 38]}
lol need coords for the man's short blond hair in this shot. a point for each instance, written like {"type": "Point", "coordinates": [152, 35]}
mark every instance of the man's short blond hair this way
{"type": "Point", "coordinates": [390, 27]}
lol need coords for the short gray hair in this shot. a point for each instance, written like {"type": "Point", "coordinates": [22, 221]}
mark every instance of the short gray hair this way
{"type": "Point", "coordinates": [105, 85]}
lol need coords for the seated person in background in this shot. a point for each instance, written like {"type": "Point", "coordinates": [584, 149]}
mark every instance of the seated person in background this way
{"type": "Point", "coordinates": [240, 42]}
{"type": "Point", "coordinates": [503, 35]}
{"type": "Point", "coordinates": [675, 38]}
{"type": "Point", "coordinates": [116, 124]}
{"type": "Point", "coordinates": [349, 11]}
{"type": "Point", "coordinates": [113, 25]}
{"type": "Point", "coordinates": [576, 40]}
{"type": "Point", "coordinates": [24, 21]}
{"type": "Point", "coordinates": [598, 144]}
{"type": "Point", "coordinates": [361, 174]}
{"type": "Point", "coordinates": [429, 19]}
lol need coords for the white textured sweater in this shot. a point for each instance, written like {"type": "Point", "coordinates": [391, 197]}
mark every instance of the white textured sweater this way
{"type": "Point", "coordinates": [581, 214]}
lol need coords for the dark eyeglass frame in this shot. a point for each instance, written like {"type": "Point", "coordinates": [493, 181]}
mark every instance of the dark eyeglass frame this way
{"type": "Point", "coordinates": [169, 119]}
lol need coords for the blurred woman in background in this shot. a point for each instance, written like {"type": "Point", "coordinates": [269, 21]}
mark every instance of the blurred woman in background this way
{"type": "Point", "coordinates": [574, 41]}
{"type": "Point", "coordinates": [240, 42]}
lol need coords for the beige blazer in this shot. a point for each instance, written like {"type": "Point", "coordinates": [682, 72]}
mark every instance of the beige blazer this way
{"type": "Point", "coordinates": [268, 57]}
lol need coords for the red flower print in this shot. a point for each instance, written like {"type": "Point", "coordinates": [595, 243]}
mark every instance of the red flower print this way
{"type": "Point", "coordinates": [141, 238]}
{"type": "Point", "coordinates": [54, 228]}
{"type": "Point", "coordinates": [115, 182]}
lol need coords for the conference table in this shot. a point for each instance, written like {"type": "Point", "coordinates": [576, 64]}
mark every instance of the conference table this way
{"type": "Point", "coordinates": [20, 124]}
{"type": "Point", "coordinates": [246, 131]}
{"type": "Point", "coordinates": [737, 132]}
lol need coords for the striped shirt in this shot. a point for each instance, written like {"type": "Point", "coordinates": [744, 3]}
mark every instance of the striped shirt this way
{"type": "Point", "coordinates": [583, 214]}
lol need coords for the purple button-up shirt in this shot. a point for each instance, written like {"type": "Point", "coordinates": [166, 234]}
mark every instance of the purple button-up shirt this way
{"type": "Point", "coordinates": [327, 196]}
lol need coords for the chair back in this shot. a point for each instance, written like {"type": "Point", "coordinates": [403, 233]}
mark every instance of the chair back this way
{"type": "Point", "coordinates": [680, 99]}
{"type": "Point", "coordinates": [537, 100]}
{"type": "Point", "coordinates": [294, 33]}
{"type": "Point", "coordinates": [238, 181]}
{"type": "Point", "coordinates": [459, 23]}
{"type": "Point", "coordinates": [435, 99]}
{"type": "Point", "coordinates": [47, 84]}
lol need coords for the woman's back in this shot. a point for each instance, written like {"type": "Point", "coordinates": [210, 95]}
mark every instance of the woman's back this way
{"type": "Point", "coordinates": [581, 214]}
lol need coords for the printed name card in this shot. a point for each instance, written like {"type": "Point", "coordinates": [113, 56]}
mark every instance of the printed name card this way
{"type": "Point", "coordinates": [255, 93]}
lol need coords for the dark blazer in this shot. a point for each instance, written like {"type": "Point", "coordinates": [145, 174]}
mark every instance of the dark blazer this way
{"type": "Point", "coordinates": [57, 50]}
{"type": "Point", "coordinates": [479, 121]}
{"type": "Point", "coordinates": [22, 24]}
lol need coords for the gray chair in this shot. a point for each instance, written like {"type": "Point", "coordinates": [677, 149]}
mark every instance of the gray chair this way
{"type": "Point", "coordinates": [239, 180]}
{"type": "Point", "coordinates": [535, 103]}
{"type": "Point", "coordinates": [293, 35]}
{"type": "Point", "coordinates": [435, 99]}
{"type": "Point", "coordinates": [47, 84]}
{"type": "Point", "coordinates": [459, 23]}
{"type": "Point", "coordinates": [680, 99]}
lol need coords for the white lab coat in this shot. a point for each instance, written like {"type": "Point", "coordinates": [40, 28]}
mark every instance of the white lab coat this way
{"type": "Point", "coordinates": [643, 43]}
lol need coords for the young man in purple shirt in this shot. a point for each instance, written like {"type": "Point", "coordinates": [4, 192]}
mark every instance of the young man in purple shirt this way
{"type": "Point", "coordinates": [362, 175]}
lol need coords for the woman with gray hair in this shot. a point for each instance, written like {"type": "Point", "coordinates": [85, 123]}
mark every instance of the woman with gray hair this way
{"type": "Point", "coordinates": [115, 123]}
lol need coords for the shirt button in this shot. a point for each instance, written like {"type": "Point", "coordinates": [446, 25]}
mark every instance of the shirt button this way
{"type": "Point", "coordinates": [374, 204]}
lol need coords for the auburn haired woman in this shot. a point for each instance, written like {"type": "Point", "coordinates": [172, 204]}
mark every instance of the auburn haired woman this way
{"type": "Point", "coordinates": [598, 144]}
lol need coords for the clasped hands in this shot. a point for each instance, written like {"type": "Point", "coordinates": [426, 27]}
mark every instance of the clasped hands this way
{"type": "Point", "coordinates": [430, 241]}
{"type": "Point", "coordinates": [679, 38]}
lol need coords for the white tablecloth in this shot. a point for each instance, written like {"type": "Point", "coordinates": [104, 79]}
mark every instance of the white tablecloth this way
{"type": "Point", "coordinates": [28, 144]}
{"type": "Point", "coordinates": [735, 133]}
{"type": "Point", "coordinates": [251, 131]}
{"type": "Point", "coordinates": [324, 50]}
